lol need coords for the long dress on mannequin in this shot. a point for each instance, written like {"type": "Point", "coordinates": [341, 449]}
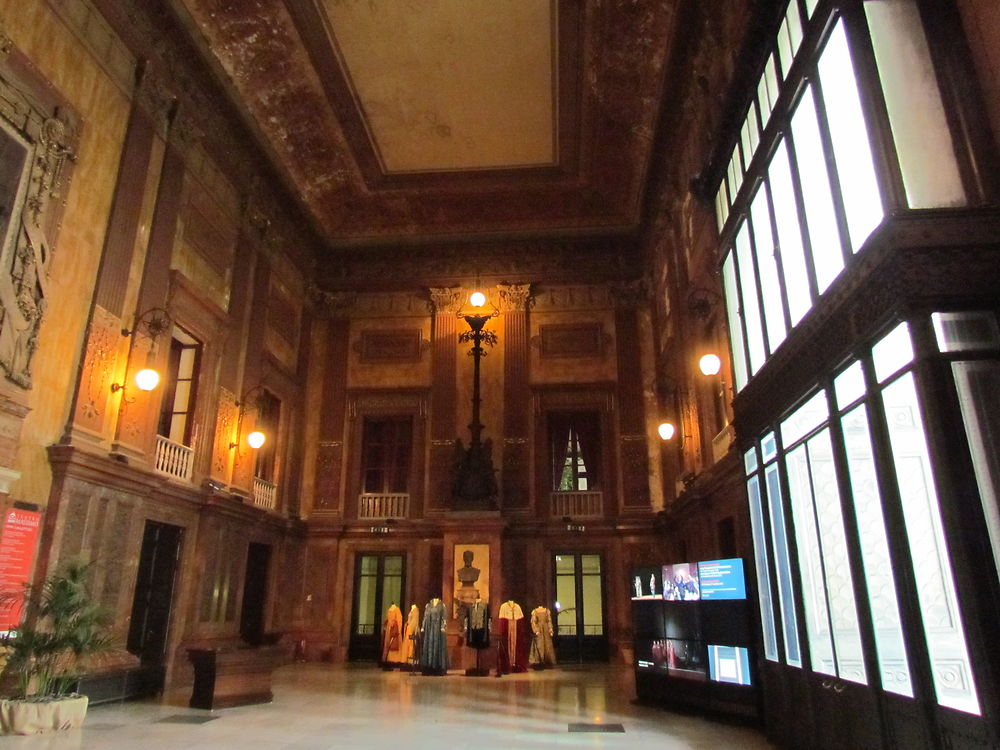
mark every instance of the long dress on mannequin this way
{"type": "Point", "coordinates": [434, 650]}
{"type": "Point", "coordinates": [392, 631]}
{"type": "Point", "coordinates": [542, 651]}
{"type": "Point", "coordinates": [512, 639]}
{"type": "Point", "coordinates": [408, 651]}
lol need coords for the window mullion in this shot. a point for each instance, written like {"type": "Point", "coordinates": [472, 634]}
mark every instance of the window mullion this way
{"type": "Point", "coordinates": [800, 208]}
{"type": "Point", "coordinates": [785, 307]}
{"type": "Point", "coordinates": [833, 171]}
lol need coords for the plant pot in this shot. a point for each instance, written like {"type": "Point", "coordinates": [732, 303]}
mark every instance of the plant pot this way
{"type": "Point", "coordinates": [37, 716]}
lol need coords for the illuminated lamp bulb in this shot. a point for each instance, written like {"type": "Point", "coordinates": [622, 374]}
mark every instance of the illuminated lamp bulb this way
{"type": "Point", "coordinates": [256, 439]}
{"type": "Point", "coordinates": [477, 299]}
{"type": "Point", "coordinates": [710, 364]}
{"type": "Point", "coordinates": [147, 379]}
{"type": "Point", "coordinates": [666, 430]}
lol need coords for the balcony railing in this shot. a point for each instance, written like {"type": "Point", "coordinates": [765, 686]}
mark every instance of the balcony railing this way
{"type": "Point", "coordinates": [722, 442]}
{"type": "Point", "coordinates": [385, 505]}
{"type": "Point", "coordinates": [173, 459]}
{"type": "Point", "coordinates": [589, 504]}
{"type": "Point", "coordinates": [265, 494]}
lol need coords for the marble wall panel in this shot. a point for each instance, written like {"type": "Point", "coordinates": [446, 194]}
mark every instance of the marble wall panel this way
{"type": "Point", "coordinates": [550, 365]}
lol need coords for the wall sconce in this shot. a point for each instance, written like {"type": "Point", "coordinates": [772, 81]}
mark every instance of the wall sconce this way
{"type": "Point", "coordinates": [153, 322]}
{"type": "Point", "coordinates": [256, 438]}
{"type": "Point", "coordinates": [710, 364]}
{"type": "Point", "coordinates": [666, 430]}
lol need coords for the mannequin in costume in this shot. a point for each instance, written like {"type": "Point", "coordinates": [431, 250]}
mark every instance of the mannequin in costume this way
{"type": "Point", "coordinates": [477, 625]}
{"type": "Point", "coordinates": [543, 654]}
{"type": "Point", "coordinates": [434, 650]}
{"type": "Point", "coordinates": [392, 632]}
{"type": "Point", "coordinates": [411, 631]}
{"type": "Point", "coordinates": [512, 639]}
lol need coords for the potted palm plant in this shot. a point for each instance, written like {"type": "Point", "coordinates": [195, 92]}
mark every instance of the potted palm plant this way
{"type": "Point", "coordinates": [47, 653]}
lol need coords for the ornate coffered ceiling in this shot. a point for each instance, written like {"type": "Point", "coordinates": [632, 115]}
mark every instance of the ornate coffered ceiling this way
{"type": "Point", "coordinates": [420, 121]}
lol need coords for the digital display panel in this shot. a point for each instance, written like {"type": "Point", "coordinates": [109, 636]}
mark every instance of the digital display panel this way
{"type": "Point", "coordinates": [729, 664]}
{"type": "Point", "coordinates": [680, 582]}
{"type": "Point", "coordinates": [722, 579]}
{"type": "Point", "coordinates": [646, 583]}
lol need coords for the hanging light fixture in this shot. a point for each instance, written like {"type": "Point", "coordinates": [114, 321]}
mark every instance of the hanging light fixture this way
{"type": "Point", "coordinates": [666, 430]}
{"type": "Point", "coordinates": [710, 364]}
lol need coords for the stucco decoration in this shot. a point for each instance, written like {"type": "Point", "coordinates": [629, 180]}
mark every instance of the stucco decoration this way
{"type": "Point", "coordinates": [40, 142]}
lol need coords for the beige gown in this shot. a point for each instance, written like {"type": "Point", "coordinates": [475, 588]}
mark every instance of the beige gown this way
{"type": "Point", "coordinates": [408, 651]}
{"type": "Point", "coordinates": [542, 650]}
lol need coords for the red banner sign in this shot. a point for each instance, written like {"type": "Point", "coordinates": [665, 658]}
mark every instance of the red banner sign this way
{"type": "Point", "coordinates": [18, 541]}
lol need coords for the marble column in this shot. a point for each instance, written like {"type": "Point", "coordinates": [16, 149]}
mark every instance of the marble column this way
{"type": "Point", "coordinates": [444, 347]}
{"type": "Point", "coordinates": [515, 302]}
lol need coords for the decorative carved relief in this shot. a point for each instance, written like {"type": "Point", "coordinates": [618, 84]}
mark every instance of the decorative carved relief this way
{"type": "Point", "coordinates": [630, 293]}
{"type": "Point", "coordinates": [388, 403]}
{"type": "Point", "coordinates": [225, 427]}
{"type": "Point", "coordinates": [445, 299]}
{"type": "Point", "coordinates": [575, 340]}
{"type": "Point", "coordinates": [45, 141]}
{"type": "Point", "coordinates": [515, 297]}
{"type": "Point", "coordinates": [379, 347]}
{"type": "Point", "coordinates": [155, 97]}
{"type": "Point", "coordinates": [331, 304]}
{"type": "Point", "coordinates": [6, 43]}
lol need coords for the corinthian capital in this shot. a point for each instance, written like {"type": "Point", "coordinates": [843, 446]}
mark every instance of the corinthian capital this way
{"type": "Point", "coordinates": [515, 297]}
{"type": "Point", "coordinates": [444, 299]}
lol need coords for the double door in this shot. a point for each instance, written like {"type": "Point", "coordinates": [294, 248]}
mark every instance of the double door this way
{"type": "Point", "coordinates": [579, 608]}
{"type": "Point", "coordinates": [379, 581]}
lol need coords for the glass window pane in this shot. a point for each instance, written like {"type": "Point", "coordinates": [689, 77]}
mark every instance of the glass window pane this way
{"type": "Point", "coordinates": [369, 565]}
{"type": "Point", "coordinates": [811, 6]}
{"type": "Point", "coordinates": [745, 144]}
{"type": "Point", "coordinates": [851, 147]}
{"type": "Point", "coordinates": [185, 365]}
{"type": "Point", "coordinates": [565, 564]}
{"type": "Point", "coordinates": [893, 352]}
{"type": "Point", "coordinates": [593, 614]}
{"type": "Point", "coordinates": [978, 385]}
{"type": "Point", "coordinates": [820, 218]}
{"type": "Point", "coordinates": [366, 606]}
{"type": "Point", "coordinates": [817, 615]}
{"type": "Point", "coordinates": [907, 76]}
{"type": "Point", "coordinates": [945, 635]}
{"type": "Point", "coordinates": [767, 265]}
{"type": "Point", "coordinates": [751, 303]}
{"type": "Point", "coordinates": [786, 217]}
{"type": "Point", "coordinates": [783, 566]}
{"type": "Point", "coordinates": [182, 395]}
{"type": "Point", "coordinates": [178, 426]}
{"type": "Point", "coordinates": [764, 102]}
{"type": "Point", "coordinates": [736, 340]}
{"type": "Point", "coordinates": [849, 385]}
{"type": "Point", "coordinates": [894, 668]}
{"type": "Point", "coordinates": [721, 208]}
{"type": "Point", "coordinates": [752, 132]}
{"type": "Point", "coordinates": [736, 169]}
{"type": "Point", "coordinates": [565, 604]}
{"type": "Point", "coordinates": [750, 460]}
{"type": "Point", "coordinates": [771, 80]}
{"type": "Point", "coordinates": [966, 331]}
{"type": "Point", "coordinates": [837, 570]}
{"type": "Point", "coordinates": [763, 570]}
{"type": "Point", "coordinates": [768, 447]}
{"type": "Point", "coordinates": [392, 592]}
{"type": "Point", "coordinates": [784, 48]}
{"type": "Point", "coordinates": [806, 418]}
{"type": "Point", "coordinates": [794, 25]}
{"type": "Point", "coordinates": [590, 564]}
{"type": "Point", "coordinates": [393, 565]}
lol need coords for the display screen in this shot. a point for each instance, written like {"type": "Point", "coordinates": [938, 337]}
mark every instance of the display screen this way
{"type": "Point", "coordinates": [681, 620]}
{"type": "Point", "coordinates": [680, 582]}
{"type": "Point", "coordinates": [646, 583]}
{"type": "Point", "coordinates": [680, 658]}
{"type": "Point", "coordinates": [722, 579]}
{"type": "Point", "coordinates": [729, 664]}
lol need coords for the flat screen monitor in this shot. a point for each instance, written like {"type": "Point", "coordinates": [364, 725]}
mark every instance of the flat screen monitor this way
{"type": "Point", "coordinates": [722, 579]}
{"type": "Point", "coordinates": [680, 658]}
{"type": "Point", "coordinates": [646, 583]}
{"type": "Point", "coordinates": [680, 582]}
{"type": "Point", "coordinates": [729, 664]}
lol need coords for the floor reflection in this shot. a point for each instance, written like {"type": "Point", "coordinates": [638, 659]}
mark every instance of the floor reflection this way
{"type": "Point", "coordinates": [321, 707]}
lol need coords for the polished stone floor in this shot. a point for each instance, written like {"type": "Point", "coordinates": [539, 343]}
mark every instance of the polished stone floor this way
{"type": "Point", "coordinates": [321, 707]}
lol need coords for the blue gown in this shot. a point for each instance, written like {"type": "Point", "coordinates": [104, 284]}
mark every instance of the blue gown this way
{"type": "Point", "coordinates": [434, 649]}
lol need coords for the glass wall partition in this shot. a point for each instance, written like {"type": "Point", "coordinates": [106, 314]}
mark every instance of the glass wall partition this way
{"type": "Point", "coordinates": [803, 192]}
{"type": "Point", "coordinates": [854, 453]}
